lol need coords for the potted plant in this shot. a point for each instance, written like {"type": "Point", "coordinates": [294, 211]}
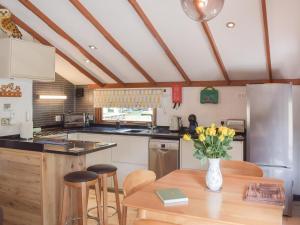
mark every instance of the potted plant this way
{"type": "Point", "coordinates": [212, 143]}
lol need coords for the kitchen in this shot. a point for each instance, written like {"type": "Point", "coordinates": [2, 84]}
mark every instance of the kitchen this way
{"type": "Point", "coordinates": [73, 99]}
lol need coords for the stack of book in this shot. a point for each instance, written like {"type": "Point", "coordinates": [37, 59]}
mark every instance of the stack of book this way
{"type": "Point", "coordinates": [265, 193]}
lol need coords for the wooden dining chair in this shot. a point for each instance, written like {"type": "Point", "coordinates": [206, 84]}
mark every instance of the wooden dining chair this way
{"type": "Point", "coordinates": [241, 168]}
{"type": "Point", "coordinates": [132, 183]}
{"type": "Point", "coordinates": [151, 222]}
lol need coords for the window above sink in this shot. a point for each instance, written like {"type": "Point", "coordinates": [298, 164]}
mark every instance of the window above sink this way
{"type": "Point", "coordinates": [129, 115]}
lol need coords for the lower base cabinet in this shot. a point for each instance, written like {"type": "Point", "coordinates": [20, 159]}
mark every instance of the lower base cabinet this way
{"type": "Point", "coordinates": [187, 160]}
{"type": "Point", "coordinates": [130, 154]}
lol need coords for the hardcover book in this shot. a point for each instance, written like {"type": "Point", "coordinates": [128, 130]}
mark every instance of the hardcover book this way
{"type": "Point", "coordinates": [172, 196]}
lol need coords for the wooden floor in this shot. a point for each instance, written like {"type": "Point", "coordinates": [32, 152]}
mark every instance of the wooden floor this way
{"type": "Point", "coordinates": [295, 220]}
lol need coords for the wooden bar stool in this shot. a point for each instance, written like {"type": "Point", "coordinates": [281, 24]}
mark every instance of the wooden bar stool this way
{"type": "Point", "coordinates": [105, 171]}
{"type": "Point", "coordinates": [80, 181]}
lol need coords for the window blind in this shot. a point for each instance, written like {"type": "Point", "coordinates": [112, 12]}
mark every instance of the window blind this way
{"type": "Point", "coordinates": [128, 98]}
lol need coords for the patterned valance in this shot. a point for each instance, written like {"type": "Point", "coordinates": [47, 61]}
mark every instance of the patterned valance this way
{"type": "Point", "coordinates": [128, 98]}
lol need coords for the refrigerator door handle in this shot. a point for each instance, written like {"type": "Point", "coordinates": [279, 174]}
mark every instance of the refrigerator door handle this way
{"type": "Point", "coordinates": [265, 165]}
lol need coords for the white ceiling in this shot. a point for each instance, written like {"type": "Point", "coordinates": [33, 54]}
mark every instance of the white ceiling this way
{"type": "Point", "coordinates": [184, 37]}
{"type": "Point", "coordinates": [284, 28]}
{"type": "Point", "coordinates": [242, 49]}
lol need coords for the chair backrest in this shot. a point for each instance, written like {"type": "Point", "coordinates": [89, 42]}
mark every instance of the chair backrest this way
{"type": "Point", "coordinates": [137, 180]}
{"type": "Point", "coordinates": [241, 168]}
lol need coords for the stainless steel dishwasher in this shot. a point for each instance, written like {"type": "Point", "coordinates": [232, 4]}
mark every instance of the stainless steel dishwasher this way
{"type": "Point", "coordinates": [163, 156]}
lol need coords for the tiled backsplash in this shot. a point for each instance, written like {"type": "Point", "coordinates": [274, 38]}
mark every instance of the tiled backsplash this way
{"type": "Point", "coordinates": [44, 111]}
{"type": "Point", "coordinates": [86, 103]}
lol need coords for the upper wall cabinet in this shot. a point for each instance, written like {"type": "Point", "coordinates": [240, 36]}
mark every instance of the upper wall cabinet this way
{"type": "Point", "coordinates": [26, 59]}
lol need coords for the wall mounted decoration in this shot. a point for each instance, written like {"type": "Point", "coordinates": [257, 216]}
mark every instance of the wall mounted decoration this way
{"type": "Point", "coordinates": [176, 96]}
{"type": "Point", "coordinates": [128, 98]}
{"type": "Point", "coordinates": [10, 90]}
{"type": "Point", "coordinates": [8, 26]}
{"type": "Point", "coordinates": [209, 95]}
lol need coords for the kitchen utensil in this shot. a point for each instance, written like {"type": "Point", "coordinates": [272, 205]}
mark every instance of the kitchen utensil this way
{"type": "Point", "coordinates": [193, 123]}
{"type": "Point", "coordinates": [174, 126]}
{"type": "Point", "coordinates": [26, 130]}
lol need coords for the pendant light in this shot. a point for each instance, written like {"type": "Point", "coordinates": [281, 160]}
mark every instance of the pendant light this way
{"type": "Point", "coordinates": [202, 10]}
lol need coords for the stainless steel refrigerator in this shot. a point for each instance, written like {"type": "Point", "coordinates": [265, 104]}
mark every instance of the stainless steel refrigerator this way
{"type": "Point", "coordinates": [270, 133]}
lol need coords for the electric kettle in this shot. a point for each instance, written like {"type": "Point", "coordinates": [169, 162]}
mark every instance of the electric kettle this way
{"type": "Point", "coordinates": [176, 124]}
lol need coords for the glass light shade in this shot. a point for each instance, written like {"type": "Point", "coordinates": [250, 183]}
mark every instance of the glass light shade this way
{"type": "Point", "coordinates": [202, 10]}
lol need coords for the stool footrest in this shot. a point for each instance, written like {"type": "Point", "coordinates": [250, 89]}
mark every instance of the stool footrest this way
{"type": "Point", "coordinates": [109, 206]}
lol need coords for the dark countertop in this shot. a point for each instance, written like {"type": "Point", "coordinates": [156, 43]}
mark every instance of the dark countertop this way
{"type": "Point", "coordinates": [156, 133]}
{"type": "Point", "coordinates": [57, 146]}
{"type": "Point", "coordinates": [61, 145]}
{"type": "Point", "coordinates": [160, 132]}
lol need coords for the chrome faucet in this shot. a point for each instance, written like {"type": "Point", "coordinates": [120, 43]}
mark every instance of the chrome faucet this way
{"type": "Point", "coordinates": [151, 124]}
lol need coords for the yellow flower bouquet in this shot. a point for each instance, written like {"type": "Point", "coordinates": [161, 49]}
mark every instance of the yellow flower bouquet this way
{"type": "Point", "coordinates": [212, 142]}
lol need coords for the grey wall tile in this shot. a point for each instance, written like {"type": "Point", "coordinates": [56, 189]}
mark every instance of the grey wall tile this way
{"type": "Point", "coordinates": [44, 111]}
{"type": "Point", "coordinates": [86, 103]}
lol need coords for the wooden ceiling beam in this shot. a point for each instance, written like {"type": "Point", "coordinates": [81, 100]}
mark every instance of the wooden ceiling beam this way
{"type": "Point", "coordinates": [43, 41]}
{"type": "Point", "coordinates": [159, 39]}
{"type": "Point", "coordinates": [217, 83]}
{"type": "Point", "coordinates": [64, 35]}
{"type": "Point", "coordinates": [84, 11]}
{"type": "Point", "coordinates": [267, 39]}
{"type": "Point", "coordinates": [215, 51]}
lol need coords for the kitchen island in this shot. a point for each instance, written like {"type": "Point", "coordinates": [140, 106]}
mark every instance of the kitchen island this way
{"type": "Point", "coordinates": [31, 178]}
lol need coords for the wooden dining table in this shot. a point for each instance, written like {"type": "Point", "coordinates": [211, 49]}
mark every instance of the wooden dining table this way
{"type": "Point", "coordinates": [205, 207]}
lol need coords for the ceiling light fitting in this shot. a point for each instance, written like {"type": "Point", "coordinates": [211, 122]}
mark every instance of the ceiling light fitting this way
{"type": "Point", "coordinates": [230, 24]}
{"type": "Point", "coordinates": [202, 10]}
{"type": "Point", "coordinates": [93, 47]}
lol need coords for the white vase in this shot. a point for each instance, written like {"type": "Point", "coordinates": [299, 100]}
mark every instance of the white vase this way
{"type": "Point", "coordinates": [214, 179]}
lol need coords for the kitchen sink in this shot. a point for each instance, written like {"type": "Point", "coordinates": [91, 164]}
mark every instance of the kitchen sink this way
{"type": "Point", "coordinates": [133, 131]}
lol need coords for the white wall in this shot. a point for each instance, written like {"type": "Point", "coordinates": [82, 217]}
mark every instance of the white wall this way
{"type": "Point", "coordinates": [19, 106]}
{"type": "Point", "coordinates": [232, 105]}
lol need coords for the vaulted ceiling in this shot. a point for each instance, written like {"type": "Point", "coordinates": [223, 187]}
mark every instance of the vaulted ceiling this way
{"type": "Point", "coordinates": [153, 43]}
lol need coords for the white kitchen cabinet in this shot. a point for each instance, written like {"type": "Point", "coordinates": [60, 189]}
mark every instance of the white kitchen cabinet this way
{"type": "Point", "coordinates": [130, 149]}
{"type": "Point", "coordinates": [187, 160]}
{"type": "Point", "coordinates": [99, 157]}
{"type": "Point", "coordinates": [130, 154]}
{"type": "Point", "coordinates": [26, 59]}
{"type": "Point", "coordinates": [237, 151]}
{"type": "Point", "coordinates": [93, 137]}
{"type": "Point", "coordinates": [73, 136]}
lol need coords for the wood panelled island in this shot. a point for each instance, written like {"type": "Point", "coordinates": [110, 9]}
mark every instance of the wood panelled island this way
{"type": "Point", "coordinates": [31, 177]}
